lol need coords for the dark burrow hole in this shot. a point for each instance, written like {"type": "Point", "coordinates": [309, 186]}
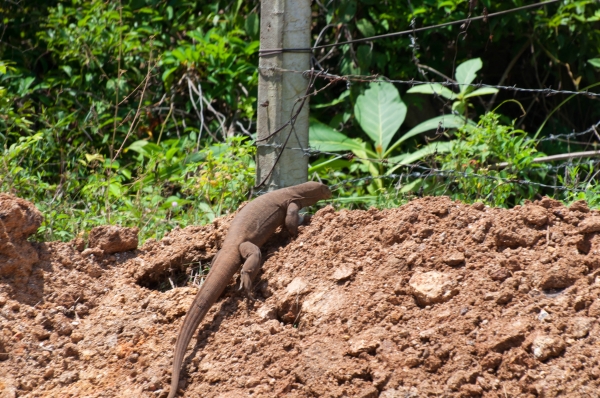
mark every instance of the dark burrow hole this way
{"type": "Point", "coordinates": [551, 293]}
{"type": "Point", "coordinates": [289, 313]}
{"type": "Point", "coordinates": [368, 377]}
{"type": "Point", "coordinates": [182, 275]}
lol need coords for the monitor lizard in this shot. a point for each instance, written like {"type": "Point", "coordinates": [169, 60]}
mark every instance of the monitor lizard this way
{"type": "Point", "coordinates": [249, 230]}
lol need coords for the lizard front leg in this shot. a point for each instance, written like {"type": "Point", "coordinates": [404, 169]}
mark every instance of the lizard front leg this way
{"type": "Point", "coordinates": [293, 218]}
{"type": "Point", "coordinates": [251, 253]}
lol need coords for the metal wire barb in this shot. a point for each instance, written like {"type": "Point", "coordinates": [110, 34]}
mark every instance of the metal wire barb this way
{"type": "Point", "coordinates": [554, 137]}
{"type": "Point", "coordinates": [426, 172]}
{"type": "Point", "coordinates": [549, 91]}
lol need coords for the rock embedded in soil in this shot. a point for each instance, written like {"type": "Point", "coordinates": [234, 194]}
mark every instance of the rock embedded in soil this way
{"type": "Point", "coordinates": [3, 351]}
{"type": "Point", "coordinates": [342, 273]}
{"type": "Point", "coordinates": [70, 350]}
{"type": "Point", "coordinates": [594, 309]}
{"type": "Point", "coordinates": [500, 274]}
{"type": "Point", "coordinates": [559, 276]}
{"type": "Point", "coordinates": [580, 205]}
{"type": "Point", "coordinates": [581, 326]}
{"type": "Point", "coordinates": [502, 335]}
{"type": "Point", "coordinates": [432, 287]}
{"type": "Point", "coordinates": [590, 225]}
{"type": "Point", "coordinates": [508, 238]}
{"type": "Point", "coordinates": [491, 361]}
{"type": "Point", "coordinates": [454, 258]}
{"type": "Point", "coordinates": [19, 218]}
{"type": "Point", "coordinates": [113, 239]}
{"type": "Point", "coordinates": [545, 347]}
{"type": "Point", "coordinates": [536, 215]}
{"type": "Point", "coordinates": [93, 251]}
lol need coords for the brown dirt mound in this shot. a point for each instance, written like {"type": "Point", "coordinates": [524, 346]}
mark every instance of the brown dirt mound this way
{"type": "Point", "coordinates": [435, 298]}
{"type": "Point", "coordinates": [18, 220]}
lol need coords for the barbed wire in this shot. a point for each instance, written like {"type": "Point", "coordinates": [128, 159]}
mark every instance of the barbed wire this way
{"type": "Point", "coordinates": [466, 21]}
{"type": "Point", "coordinates": [351, 156]}
{"type": "Point", "coordinates": [426, 171]}
{"type": "Point", "coordinates": [554, 137]}
{"type": "Point", "coordinates": [548, 91]}
{"type": "Point", "coordinates": [432, 172]}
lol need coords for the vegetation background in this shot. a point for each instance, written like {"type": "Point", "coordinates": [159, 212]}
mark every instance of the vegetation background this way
{"type": "Point", "coordinates": [142, 112]}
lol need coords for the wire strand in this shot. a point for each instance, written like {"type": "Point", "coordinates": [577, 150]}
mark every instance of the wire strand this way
{"type": "Point", "coordinates": [549, 91]}
{"type": "Point", "coordinates": [274, 51]}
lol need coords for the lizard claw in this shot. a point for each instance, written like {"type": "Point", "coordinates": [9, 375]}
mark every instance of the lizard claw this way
{"type": "Point", "coordinates": [300, 219]}
{"type": "Point", "coordinates": [246, 283]}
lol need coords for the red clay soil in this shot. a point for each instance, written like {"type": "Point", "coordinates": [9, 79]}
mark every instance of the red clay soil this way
{"type": "Point", "coordinates": [432, 299]}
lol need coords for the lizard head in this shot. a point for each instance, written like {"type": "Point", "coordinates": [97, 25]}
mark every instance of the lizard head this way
{"type": "Point", "coordinates": [325, 191]}
{"type": "Point", "coordinates": [313, 191]}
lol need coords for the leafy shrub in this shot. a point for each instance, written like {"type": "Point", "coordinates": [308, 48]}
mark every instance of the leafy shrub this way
{"type": "Point", "coordinates": [102, 116]}
{"type": "Point", "coordinates": [167, 185]}
{"type": "Point", "coordinates": [475, 160]}
{"type": "Point", "coordinates": [380, 112]}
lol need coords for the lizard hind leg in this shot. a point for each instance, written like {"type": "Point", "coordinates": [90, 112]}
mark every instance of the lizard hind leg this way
{"type": "Point", "coordinates": [251, 253]}
{"type": "Point", "coordinates": [293, 218]}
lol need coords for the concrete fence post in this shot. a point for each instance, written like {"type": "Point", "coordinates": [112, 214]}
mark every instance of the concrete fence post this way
{"type": "Point", "coordinates": [284, 24]}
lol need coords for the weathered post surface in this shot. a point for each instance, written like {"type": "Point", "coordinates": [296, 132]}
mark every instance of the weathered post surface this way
{"type": "Point", "coordinates": [284, 24]}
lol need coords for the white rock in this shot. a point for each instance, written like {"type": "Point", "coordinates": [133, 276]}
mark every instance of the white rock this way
{"type": "Point", "coordinates": [267, 312]}
{"type": "Point", "coordinates": [341, 273]}
{"type": "Point", "coordinates": [545, 347]}
{"type": "Point", "coordinates": [296, 286]}
{"type": "Point", "coordinates": [581, 326]}
{"type": "Point", "coordinates": [432, 287]}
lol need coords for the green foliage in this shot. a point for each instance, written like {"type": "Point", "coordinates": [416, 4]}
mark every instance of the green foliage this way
{"type": "Point", "coordinates": [465, 75]}
{"type": "Point", "coordinates": [595, 62]}
{"type": "Point", "coordinates": [97, 63]}
{"type": "Point", "coordinates": [105, 118]}
{"type": "Point", "coordinates": [222, 56]}
{"type": "Point", "coordinates": [475, 157]}
{"type": "Point", "coordinates": [169, 184]}
{"type": "Point", "coordinates": [582, 177]}
{"type": "Point", "coordinates": [116, 111]}
{"type": "Point", "coordinates": [539, 47]}
{"type": "Point", "coordinates": [380, 112]}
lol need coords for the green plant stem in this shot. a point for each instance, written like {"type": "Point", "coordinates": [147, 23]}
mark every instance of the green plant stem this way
{"type": "Point", "coordinates": [162, 127]}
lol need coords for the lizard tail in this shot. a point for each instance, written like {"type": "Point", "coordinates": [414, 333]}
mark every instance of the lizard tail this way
{"type": "Point", "coordinates": [210, 291]}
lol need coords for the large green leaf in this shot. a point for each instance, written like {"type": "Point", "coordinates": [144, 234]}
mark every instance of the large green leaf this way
{"type": "Point", "coordinates": [365, 27]}
{"type": "Point", "coordinates": [444, 122]}
{"type": "Point", "coordinates": [433, 88]}
{"type": "Point", "coordinates": [324, 138]}
{"type": "Point", "coordinates": [346, 10]}
{"type": "Point", "coordinates": [335, 163]}
{"type": "Point", "coordinates": [467, 71]}
{"type": "Point", "coordinates": [408, 158]}
{"type": "Point", "coordinates": [380, 112]}
{"type": "Point", "coordinates": [595, 62]}
{"type": "Point", "coordinates": [482, 91]}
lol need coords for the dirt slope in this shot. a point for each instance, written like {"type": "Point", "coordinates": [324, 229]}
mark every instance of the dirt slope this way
{"type": "Point", "coordinates": [433, 299]}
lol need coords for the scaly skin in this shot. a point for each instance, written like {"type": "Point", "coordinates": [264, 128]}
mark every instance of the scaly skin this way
{"type": "Point", "coordinates": [249, 230]}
